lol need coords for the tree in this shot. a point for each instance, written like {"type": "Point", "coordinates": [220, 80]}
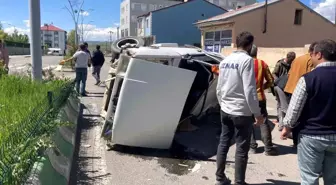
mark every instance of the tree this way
{"type": "Point", "coordinates": [71, 41]}
{"type": "Point", "coordinates": [17, 37]}
{"type": "Point", "coordinates": [3, 35]}
{"type": "Point", "coordinates": [74, 8]}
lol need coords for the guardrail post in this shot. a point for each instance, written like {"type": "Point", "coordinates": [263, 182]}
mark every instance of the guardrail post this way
{"type": "Point", "coordinates": [50, 98]}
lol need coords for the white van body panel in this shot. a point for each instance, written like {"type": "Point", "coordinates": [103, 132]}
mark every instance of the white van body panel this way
{"type": "Point", "coordinates": [150, 104]}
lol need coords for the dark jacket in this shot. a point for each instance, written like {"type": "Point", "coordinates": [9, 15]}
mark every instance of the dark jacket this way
{"type": "Point", "coordinates": [98, 58]}
{"type": "Point", "coordinates": [318, 115]}
{"type": "Point", "coordinates": [281, 68]}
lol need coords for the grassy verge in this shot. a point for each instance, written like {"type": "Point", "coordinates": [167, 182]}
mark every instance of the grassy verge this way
{"type": "Point", "coordinates": [18, 97]}
{"type": "Point", "coordinates": [27, 121]}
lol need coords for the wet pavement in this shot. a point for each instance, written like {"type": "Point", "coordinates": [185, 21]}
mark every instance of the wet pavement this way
{"type": "Point", "coordinates": [190, 161]}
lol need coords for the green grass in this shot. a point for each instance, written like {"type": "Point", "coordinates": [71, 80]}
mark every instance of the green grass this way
{"type": "Point", "coordinates": [18, 97]}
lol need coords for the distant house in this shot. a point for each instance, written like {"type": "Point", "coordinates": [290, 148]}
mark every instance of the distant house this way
{"type": "Point", "coordinates": [53, 37]}
{"type": "Point", "coordinates": [282, 23]}
{"type": "Point", "coordinates": [174, 24]}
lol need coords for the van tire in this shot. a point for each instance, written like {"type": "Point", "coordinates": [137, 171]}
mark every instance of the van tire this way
{"type": "Point", "coordinates": [116, 45]}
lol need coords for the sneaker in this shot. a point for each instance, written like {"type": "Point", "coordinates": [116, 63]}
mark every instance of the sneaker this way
{"type": "Point", "coordinates": [271, 152]}
{"type": "Point", "coordinates": [225, 182]}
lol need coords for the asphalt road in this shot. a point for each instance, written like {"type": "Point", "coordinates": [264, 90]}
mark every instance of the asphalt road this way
{"type": "Point", "coordinates": [19, 61]}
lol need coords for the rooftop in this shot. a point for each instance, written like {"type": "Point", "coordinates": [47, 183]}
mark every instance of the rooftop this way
{"type": "Point", "coordinates": [50, 27]}
{"type": "Point", "coordinates": [239, 11]}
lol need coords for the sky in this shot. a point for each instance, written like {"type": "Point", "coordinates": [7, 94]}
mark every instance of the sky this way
{"type": "Point", "coordinates": [99, 16]}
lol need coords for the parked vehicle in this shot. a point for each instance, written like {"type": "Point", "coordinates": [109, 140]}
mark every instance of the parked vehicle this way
{"type": "Point", "coordinates": [55, 51]}
{"type": "Point", "coordinates": [155, 89]}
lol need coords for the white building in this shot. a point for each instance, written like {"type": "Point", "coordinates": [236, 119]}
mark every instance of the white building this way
{"type": "Point", "coordinates": [232, 4]}
{"type": "Point", "coordinates": [53, 37]}
{"type": "Point", "coordinates": [131, 9]}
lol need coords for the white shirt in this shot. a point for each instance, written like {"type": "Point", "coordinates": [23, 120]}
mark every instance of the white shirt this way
{"type": "Point", "coordinates": [82, 59]}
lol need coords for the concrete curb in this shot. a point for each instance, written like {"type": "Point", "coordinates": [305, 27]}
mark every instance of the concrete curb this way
{"type": "Point", "coordinates": [54, 167]}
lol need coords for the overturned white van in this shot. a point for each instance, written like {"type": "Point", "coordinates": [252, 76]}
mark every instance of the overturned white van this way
{"type": "Point", "coordinates": [155, 89]}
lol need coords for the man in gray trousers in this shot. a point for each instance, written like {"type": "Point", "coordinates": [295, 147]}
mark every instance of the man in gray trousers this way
{"type": "Point", "coordinates": [237, 96]}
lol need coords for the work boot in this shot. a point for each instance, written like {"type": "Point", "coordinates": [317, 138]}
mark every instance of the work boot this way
{"type": "Point", "coordinates": [272, 152]}
{"type": "Point", "coordinates": [225, 182]}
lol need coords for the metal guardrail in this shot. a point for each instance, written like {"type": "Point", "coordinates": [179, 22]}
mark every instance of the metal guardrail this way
{"type": "Point", "coordinates": [20, 150]}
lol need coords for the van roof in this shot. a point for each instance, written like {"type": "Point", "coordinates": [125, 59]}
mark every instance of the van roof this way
{"type": "Point", "coordinates": [167, 52]}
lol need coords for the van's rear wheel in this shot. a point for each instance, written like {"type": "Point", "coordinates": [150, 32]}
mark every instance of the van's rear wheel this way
{"type": "Point", "coordinates": [116, 45]}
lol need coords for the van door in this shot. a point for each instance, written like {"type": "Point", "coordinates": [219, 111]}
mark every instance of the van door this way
{"type": "Point", "coordinates": [150, 104]}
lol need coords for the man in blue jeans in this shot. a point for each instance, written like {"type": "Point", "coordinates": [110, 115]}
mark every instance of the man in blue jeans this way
{"type": "Point", "coordinates": [82, 60]}
{"type": "Point", "coordinates": [237, 96]}
{"type": "Point", "coordinates": [312, 109]}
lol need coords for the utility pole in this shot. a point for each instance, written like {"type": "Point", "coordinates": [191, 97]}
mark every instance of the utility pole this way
{"type": "Point", "coordinates": [111, 32]}
{"type": "Point", "coordinates": [35, 38]}
{"type": "Point", "coordinates": [118, 32]}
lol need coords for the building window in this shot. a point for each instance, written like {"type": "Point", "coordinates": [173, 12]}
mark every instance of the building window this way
{"type": "Point", "coordinates": [298, 17]}
{"type": "Point", "coordinates": [56, 45]}
{"type": "Point", "coordinates": [209, 35]}
{"type": "Point", "coordinates": [126, 32]}
{"type": "Point", "coordinates": [134, 18]}
{"type": "Point", "coordinates": [56, 33]}
{"type": "Point", "coordinates": [152, 7]}
{"type": "Point", "coordinates": [139, 23]}
{"type": "Point", "coordinates": [136, 6]}
{"type": "Point", "coordinates": [143, 7]}
{"type": "Point", "coordinates": [226, 34]}
{"type": "Point", "coordinates": [122, 21]}
{"type": "Point", "coordinates": [216, 2]}
{"type": "Point", "coordinates": [147, 23]}
{"type": "Point", "coordinates": [217, 35]}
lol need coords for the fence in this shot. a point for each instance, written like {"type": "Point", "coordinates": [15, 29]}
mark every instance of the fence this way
{"type": "Point", "coordinates": [25, 143]}
{"type": "Point", "coordinates": [16, 48]}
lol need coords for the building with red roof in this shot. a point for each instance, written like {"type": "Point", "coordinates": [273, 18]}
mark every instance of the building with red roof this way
{"type": "Point", "coordinates": [53, 37]}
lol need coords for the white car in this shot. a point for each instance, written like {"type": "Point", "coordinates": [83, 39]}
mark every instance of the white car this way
{"type": "Point", "coordinates": [157, 88]}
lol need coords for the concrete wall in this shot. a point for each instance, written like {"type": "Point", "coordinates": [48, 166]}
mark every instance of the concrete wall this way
{"type": "Point", "coordinates": [281, 30]}
{"type": "Point", "coordinates": [272, 55]}
{"type": "Point", "coordinates": [18, 50]}
{"type": "Point", "coordinates": [175, 24]}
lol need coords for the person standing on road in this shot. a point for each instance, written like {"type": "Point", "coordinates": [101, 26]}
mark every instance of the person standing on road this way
{"type": "Point", "coordinates": [312, 108]}
{"type": "Point", "coordinates": [282, 66]}
{"type": "Point", "coordinates": [262, 74]}
{"type": "Point", "coordinates": [4, 57]}
{"type": "Point", "coordinates": [280, 75]}
{"type": "Point", "coordinates": [98, 60]}
{"type": "Point", "coordinates": [82, 60]}
{"type": "Point", "coordinates": [299, 67]}
{"type": "Point", "coordinates": [237, 96]}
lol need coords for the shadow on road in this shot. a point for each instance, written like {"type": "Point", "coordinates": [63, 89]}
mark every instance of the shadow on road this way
{"type": "Point", "coordinates": [277, 182]}
{"type": "Point", "coordinates": [82, 159]}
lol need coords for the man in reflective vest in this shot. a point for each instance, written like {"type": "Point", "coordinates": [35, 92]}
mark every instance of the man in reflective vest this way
{"type": "Point", "coordinates": [262, 74]}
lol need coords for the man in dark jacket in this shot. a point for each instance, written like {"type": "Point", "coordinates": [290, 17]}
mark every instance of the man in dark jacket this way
{"type": "Point", "coordinates": [282, 66]}
{"type": "Point", "coordinates": [280, 79]}
{"type": "Point", "coordinates": [312, 109]}
{"type": "Point", "coordinates": [98, 60]}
